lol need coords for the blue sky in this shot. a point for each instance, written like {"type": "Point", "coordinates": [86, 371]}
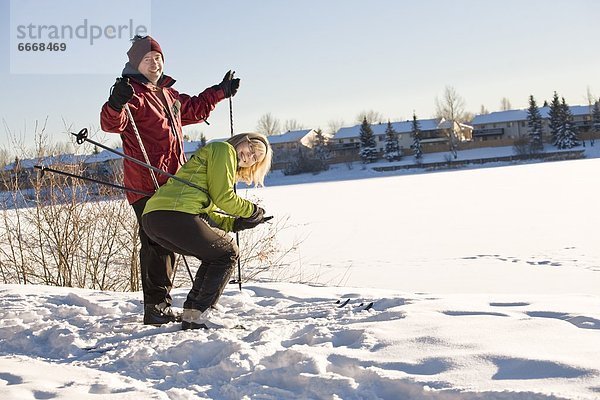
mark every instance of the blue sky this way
{"type": "Point", "coordinates": [318, 60]}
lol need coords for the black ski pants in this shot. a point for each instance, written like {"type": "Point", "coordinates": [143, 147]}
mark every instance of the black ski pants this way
{"type": "Point", "coordinates": [156, 263]}
{"type": "Point", "coordinates": [192, 235]}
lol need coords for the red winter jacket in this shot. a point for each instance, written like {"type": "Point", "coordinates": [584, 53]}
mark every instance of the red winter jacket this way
{"type": "Point", "coordinates": [159, 128]}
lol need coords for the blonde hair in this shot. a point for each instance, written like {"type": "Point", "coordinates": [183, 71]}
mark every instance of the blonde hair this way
{"type": "Point", "coordinates": [260, 144]}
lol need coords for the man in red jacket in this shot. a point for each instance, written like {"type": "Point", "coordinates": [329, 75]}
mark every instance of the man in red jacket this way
{"type": "Point", "coordinates": [159, 112]}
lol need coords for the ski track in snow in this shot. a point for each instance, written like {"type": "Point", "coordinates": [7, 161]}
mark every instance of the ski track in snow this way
{"type": "Point", "coordinates": [570, 257]}
{"type": "Point", "coordinates": [299, 344]}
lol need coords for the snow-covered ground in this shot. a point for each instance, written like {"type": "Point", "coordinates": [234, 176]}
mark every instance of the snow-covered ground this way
{"type": "Point", "coordinates": [485, 285]}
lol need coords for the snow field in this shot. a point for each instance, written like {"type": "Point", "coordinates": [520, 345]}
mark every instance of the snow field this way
{"type": "Point", "coordinates": [299, 344]}
{"type": "Point", "coordinates": [485, 285]}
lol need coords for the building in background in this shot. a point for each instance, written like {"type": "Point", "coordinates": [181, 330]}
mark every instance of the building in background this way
{"type": "Point", "coordinates": [505, 126]}
{"type": "Point", "coordinates": [435, 133]}
{"type": "Point", "coordinates": [289, 145]}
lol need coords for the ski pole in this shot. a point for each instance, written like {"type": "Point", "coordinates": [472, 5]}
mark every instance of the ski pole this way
{"type": "Point", "coordinates": [154, 180]}
{"type": "Point", "coordinates": [85, 178]}
{"type": "Point", "coordinates": [237, 235]}
{"type": "Point", "coordinates": [109, 184]}
{"type": "Point", "coordinates": [82, 137]}
{"type": "Point", "coordinates": [141, 144]}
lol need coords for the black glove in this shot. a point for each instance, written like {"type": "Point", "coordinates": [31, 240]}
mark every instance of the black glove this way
{"type": "Point", "coordinates": [257, 218]}
{"type": "Point", "coordinates": [122, 92]}
{"type": "Point", "coordinates": [229, 85]}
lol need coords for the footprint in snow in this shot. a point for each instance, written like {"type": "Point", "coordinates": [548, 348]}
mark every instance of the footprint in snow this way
{"type": "Point", "coordinates": [579, 321]}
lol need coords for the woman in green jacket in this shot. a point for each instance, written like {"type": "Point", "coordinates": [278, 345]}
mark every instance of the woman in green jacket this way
{"type": "Point", "coordinates": [185, 220]}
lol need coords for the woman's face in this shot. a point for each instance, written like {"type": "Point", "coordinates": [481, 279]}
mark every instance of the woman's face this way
{"type": "Point", "coordinates": [246, 154]}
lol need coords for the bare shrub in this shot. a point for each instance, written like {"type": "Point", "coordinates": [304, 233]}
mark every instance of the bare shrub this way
{"type": "Point", "coordinates": [522, 145]}
{"type": "Point", "coordinates": [262, 254]}
{"type": "Point", "coordinates": [62, 231]}
{"type": "Point", "coordinates": [58, 231]}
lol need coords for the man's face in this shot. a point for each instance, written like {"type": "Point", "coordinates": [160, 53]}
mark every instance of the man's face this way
{"type": "Point", "coordinates": [151, 66]}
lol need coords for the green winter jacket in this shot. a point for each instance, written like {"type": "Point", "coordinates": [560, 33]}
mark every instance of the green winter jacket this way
{"type": "Point", "coordinates": [212, 167]}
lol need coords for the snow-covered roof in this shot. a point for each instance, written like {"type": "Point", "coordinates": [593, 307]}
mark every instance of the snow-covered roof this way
{"type": "Point", "coordinates": [289, 137]}
{"type": "Point", "coordinates": [379, 129]}
{"type": "Point", "coordinates": [445, 124]}
{"type": "Point", "coordinates": [520, 115]}
{"type": "Point", "coordinates": [103, 156]}
{"type": "Point", "coordinates": [191, 147]}
{"type": "Point", "coordinates": [49, 160]}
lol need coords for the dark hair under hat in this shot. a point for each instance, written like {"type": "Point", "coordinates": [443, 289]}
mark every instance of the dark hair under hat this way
{"type": "Point", "coordinates": [140, 47]}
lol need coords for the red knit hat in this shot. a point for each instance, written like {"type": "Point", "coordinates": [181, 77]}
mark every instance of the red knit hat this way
{"type": "Point", "coordinates": [140, 47]}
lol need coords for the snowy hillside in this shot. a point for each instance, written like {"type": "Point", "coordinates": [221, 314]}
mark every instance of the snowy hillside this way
{"type": "Point", "coordinates": [484, 283]}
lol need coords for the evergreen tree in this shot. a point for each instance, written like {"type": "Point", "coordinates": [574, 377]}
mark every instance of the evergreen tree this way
{"type": "Point", "coordinates": [368, 147]}
{"type": "Point", "coordinates": [595, 121]}
{"type": "Point", "coordinates": [202, 141]}
{"type": "Point", "coordinates": [314, 161]}
{"type": "Point", "coordinates": [566, 137]}
{"type": "Point", "coordinates": [596, 117]}
{"type": "Point", "coordinates": [416, 135]}
{"type": "Point", "coordinates": [534, 125]}
{"type": "Point", "coordinates": [555, 117]}
{"type": "Point", "coordinates": [392, 148]}
{"type": "Point", "coordinates": [320, 149]}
